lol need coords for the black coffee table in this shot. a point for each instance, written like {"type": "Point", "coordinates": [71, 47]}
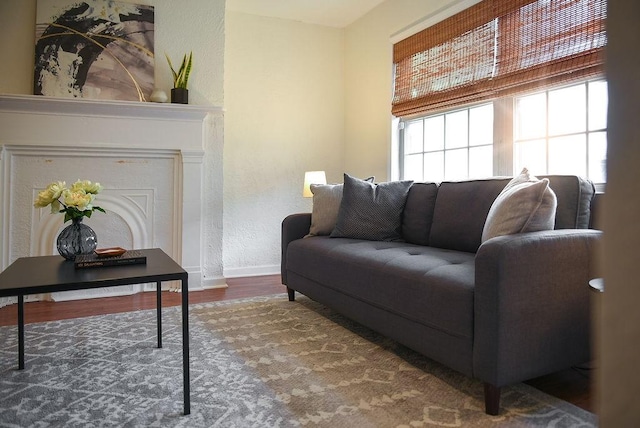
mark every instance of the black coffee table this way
{"type": "Point", "coordinates": [47, 274]}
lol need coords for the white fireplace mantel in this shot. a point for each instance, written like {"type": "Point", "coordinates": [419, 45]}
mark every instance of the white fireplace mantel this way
{"type": "Point", "coordinates": [126, 144]}
{"type": "Point", "coordinates": [105, 123]}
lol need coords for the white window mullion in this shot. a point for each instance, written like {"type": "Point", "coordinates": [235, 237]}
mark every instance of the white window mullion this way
{"type": "Point", "coordinates": [503, 136]}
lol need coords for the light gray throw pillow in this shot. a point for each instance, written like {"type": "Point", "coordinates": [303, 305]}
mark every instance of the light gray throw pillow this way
{"type": "Point", "coordinates": [526, 204]}
{"type": "Point", "coordinates": [371, 211]}
{"type": "Point", "coordinates": [326, 203]}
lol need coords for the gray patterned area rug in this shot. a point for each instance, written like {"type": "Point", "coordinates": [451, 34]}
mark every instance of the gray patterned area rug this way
{"type": "Point", "coordinates": [260, 362]}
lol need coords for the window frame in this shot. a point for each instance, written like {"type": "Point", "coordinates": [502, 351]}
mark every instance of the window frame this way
{"type": "Point", "coordinates": [404, 121]}
{"type": "Point", "coordinates": [588, 133]}
{"type": "Point", "coordinates": [504, 139]}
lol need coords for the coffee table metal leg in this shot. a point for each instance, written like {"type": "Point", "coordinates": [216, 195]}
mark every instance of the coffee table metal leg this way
{"type": "Point", "coordinates": [21, 332]}
{"type": "Point", "coordinates": [185, 347]}
{"type": "Point", "coordinates": [159, 312]}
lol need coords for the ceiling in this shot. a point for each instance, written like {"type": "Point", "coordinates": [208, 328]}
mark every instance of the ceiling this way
{"type": "Point", "coordinates": [332, 13]}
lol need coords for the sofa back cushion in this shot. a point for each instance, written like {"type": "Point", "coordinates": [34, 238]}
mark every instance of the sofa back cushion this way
{"type": "Point", "coordinates": [461, 208]}
{"type": "Point", "coordinates": [460, 212]}
{"type": "Point", "coordinates": [417, 216]}
{"type": "Point", "coordinates": [574, 200]}
{"type": "Point", "coordinates": [452, 215]}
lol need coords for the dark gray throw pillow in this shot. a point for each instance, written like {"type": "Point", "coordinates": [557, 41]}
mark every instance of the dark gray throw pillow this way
{"type": "Point", "coordinates": [371, 211]}
{"type": "Point", "coordinates": [326, 204]}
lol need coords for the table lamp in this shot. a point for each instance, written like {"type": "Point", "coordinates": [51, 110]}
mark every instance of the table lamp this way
{"type": "Point", "coordinates": [312, 177]}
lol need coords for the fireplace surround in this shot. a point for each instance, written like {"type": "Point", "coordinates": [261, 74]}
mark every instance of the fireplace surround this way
{"type": "Point", "coordinates": [160, 165]}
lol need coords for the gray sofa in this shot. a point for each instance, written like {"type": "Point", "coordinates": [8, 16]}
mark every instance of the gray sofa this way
{"type": "Point", "coordinates": [510, 309]}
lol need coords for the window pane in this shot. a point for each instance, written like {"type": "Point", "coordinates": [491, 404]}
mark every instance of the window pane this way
{"type": "Point", "coordinates": [434, 133]}
{"type": "Point", "coordinates": [567, 110]}
{"type": "Point", "coordinates": [481, 125]}
{"type": "Point", "coordinates": [568, 155]}
{"type": "Point", "coordinates": [563, 150]}
{"type": "Point", "coordinates": [413, 167]}
{"type": "Point", "coordinates": [530, 117]}
{"type": "Point", "coordinates": [455, 164]}
{"type": "Point", "coordinates": [413, 137]}
{"type": "Point", "coordinates": [598, 157]}
{"type": "Point", "coordinates": [597, 105]}
{"type": "Point", "coordinates": [456, 129]}
{"type": "Point", "coordinates": [434, 166]}
{"type": "Point", "coordinates": [443, 131]}
{"type": "Point", "coordinates": [481, 162]}
{"type": "Point", "coordinates": [531, 155]}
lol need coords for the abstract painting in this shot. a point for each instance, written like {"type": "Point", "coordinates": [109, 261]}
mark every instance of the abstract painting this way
{"type": "Point", "coordinates": [99, 49]}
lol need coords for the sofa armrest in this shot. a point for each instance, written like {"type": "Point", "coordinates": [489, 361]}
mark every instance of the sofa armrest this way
{"type": "Point", "coordinates": [532, 304]}
{"type": "Point", "coordinates": [294, 226]}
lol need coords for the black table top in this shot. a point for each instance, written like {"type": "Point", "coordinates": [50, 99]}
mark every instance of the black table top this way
{"type": "Point", "coordinates": [47, 274]}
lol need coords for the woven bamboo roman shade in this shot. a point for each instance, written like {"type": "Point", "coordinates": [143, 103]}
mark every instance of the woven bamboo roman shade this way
{"type": "Point", "coordinates": [497, 48]}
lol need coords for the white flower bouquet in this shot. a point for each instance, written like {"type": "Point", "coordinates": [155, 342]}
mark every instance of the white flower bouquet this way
{"type": "Point", "coordinates": [75, 202]}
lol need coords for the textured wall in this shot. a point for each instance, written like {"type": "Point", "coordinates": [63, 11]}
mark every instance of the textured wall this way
{"type": "Point", "coordinates": [283, 115]}
{"type": "Point", "coordinates": [301, 97]}
{"type": "Point", "coordinates": [196, 25]}
{"type": "Point", "coordinates": [17, 45]}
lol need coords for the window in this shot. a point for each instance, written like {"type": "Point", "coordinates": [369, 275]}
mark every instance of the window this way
{"type": "Point", "coordinates": [557, 131]}
{"type": "Point", "coordinates": [450, 146]}
{"type": "Point", "coordinates": [563, 131]}
{"type": "Point", "coordinates": [520, 58]}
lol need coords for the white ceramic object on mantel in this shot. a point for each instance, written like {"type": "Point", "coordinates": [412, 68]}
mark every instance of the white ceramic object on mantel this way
{"type": "Point", "coordinates": [159, 96]}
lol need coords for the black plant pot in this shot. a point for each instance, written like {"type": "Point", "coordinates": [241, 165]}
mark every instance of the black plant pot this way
{"type": "Point", "coordinates": [180, 96]}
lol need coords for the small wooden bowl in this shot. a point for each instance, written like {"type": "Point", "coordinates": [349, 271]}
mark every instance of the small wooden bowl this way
{"type": "Point", "coordinates": [110, 252]}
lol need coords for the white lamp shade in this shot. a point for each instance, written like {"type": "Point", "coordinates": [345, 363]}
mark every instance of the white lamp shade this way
{"type": "Point", "coordinates": [312, 177]}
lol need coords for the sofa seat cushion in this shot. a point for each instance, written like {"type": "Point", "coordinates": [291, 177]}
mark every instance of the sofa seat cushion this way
{"type": "Point", "coordinates": [418, 213]}
{"type": "Point", "coordinates": [431, 286]}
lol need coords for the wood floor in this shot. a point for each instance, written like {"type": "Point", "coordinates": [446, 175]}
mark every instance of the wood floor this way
{"type": "Point", "coordinates": [572, 385]}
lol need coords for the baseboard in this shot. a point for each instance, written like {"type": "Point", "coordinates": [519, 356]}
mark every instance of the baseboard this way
{"type": "Point", "coordinates": [252, 271]}
{"type": "Point", "coordinates": [217, 282]}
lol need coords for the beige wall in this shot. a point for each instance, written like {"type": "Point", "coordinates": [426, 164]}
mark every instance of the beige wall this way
{"type": "Point", "coordinates": [302, 97]}
{"type": "Point", "coordinates": [284, 115]}
{"type": "Point", "coordinates": [17, 45]}
{"type": "Point", "coordinates": [368, 83]}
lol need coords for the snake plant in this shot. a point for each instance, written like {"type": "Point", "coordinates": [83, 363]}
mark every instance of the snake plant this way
{"type": "Point", "coordinates": [181, 77]}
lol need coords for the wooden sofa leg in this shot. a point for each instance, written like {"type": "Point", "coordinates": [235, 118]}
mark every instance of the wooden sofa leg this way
{"type": "Point", "coordinates": [491, 399]}
{"type": "Point", "coordinates": [292, 294]}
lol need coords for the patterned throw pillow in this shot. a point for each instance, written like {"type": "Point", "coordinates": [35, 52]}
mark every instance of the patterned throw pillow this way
{"type": "Point", "coordinates": [526, 204]}
{"type": "Point", "coordinates": [326, 203]}
{"type": "Point", "coordinates": [371, 211]}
